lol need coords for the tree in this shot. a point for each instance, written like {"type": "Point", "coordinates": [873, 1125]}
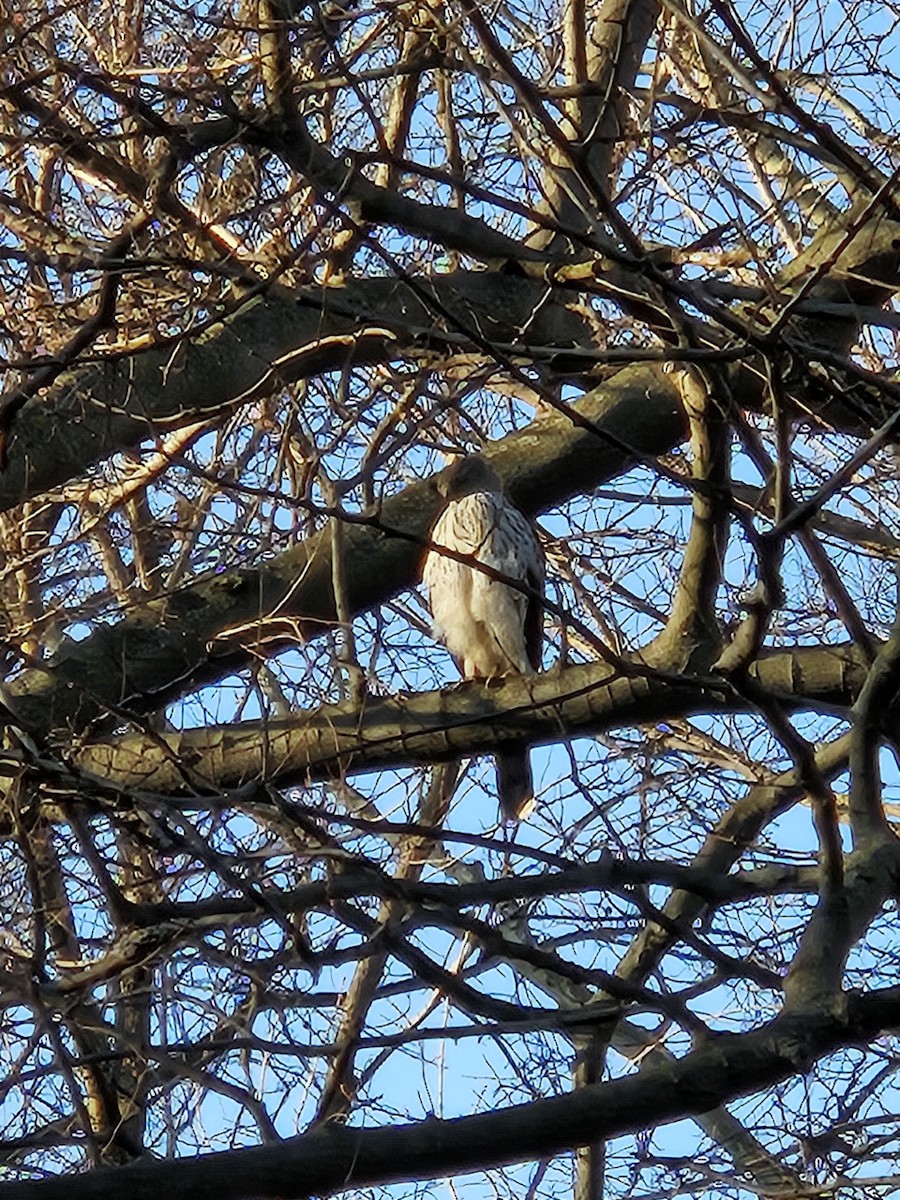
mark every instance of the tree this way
{"type": "Point", "coordinates": [266, 268]}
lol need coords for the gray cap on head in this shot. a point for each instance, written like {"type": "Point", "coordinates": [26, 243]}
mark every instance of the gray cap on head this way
{"type": "Point", "coordinates": [467, 476]}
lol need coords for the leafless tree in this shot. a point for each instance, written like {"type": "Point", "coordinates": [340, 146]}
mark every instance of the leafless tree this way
{"type": "Point", "coordinates": [265, 268]}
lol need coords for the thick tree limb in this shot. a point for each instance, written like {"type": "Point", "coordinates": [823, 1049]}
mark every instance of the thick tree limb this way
{"type": "Point", "coordinates": [463, 720]}
{"type": "Point", "coordinates": [333, 1159]}
{"type": "Point", "coordinates": [691, 633]}
{"type": "Point", "coordinates": [274, 338]}
{"type": "Point", "coordinates": [267, 342]}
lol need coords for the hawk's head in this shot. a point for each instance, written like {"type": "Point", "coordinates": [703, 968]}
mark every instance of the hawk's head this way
{"type": "Point", "coordinates": [467, 476]}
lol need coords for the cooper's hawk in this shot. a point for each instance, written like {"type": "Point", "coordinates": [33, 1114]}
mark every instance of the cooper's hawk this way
{"type": "Point", "coordinates": [491, 629]}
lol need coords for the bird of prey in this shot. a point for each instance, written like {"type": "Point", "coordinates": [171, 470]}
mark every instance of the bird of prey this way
{"type": "Point", "coordinates": [491, 629]}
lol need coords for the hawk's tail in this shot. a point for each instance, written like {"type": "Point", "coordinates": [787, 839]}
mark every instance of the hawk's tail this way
{"type": "Point", "coordinates": [514, 784]}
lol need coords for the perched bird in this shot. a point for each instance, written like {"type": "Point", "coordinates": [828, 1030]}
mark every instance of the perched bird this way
{"type": "Point", "coordinates": [491, 629]}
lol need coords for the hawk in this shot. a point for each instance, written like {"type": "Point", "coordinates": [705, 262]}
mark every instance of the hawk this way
{"type": "Point", "coordinates": [491, 629]}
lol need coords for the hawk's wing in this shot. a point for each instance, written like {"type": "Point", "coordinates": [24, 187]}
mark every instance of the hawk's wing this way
{"type": "Point", "coordinates": [513, 549]}
{"type": "Point", "coordinates": [492, 628]}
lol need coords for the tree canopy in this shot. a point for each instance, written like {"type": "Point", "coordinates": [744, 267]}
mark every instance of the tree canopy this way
{"type": "Point", "coordinates": [266, 269]}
